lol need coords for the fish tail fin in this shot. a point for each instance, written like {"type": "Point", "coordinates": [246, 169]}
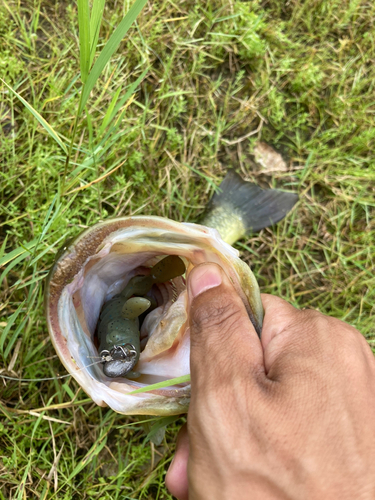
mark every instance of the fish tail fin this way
{"type": "Point", "coordinates": [241, 207]}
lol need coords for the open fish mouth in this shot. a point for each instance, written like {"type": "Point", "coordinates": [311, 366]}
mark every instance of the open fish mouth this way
{"type": "Point", "coordinates": [96, 267]}
{"type": "Point", "coordinates": [99, 268]}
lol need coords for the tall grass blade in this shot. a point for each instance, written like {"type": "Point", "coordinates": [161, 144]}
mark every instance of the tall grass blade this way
{"type": "Point", "coordinates": [115, 110]}
{"type": "Point", "coordinates": [95, 449]}
{"type": "Point", "coordinates": [3, 246]}
{"type": "Point", "coordinates": [84, 37]}
{"type": "Point", "coordinates": [14, 337]}
{"type": "Point", "coordinates": [20, 284]}
{"type": "Point", "coordinates": [161, 385]}
{"type": "Point", "coordinates": [91, 133]}
{"type": "Point", "coordinates": [92, 453]}
{"type": "Point", "coordinates": [46, 250]}
{"type": "Point", "coordinates": [98, 179]}
{"type": "Point", "coordinates": [13, 264]}
{"type": "Point", "coordinates": [26, 248]}
{"type": "Point", "coordinates": [95, 22]}
{"type": "Point", "coordinates": [9, 325]}
{"type": "Point", "coordinates": [29, 306]}
{"type": "Point", "coordinates": [109, 112]}
{"type": "Point", "coordinates": [111, 137]}
{"type": "Point", "coordinates": [109, 48]}
{"type": "Point", "coordinates": [40, 119]}
{"type": "Point", "coordinates": [47, 224]}
{"type": "Point", "coordinates": [21, 489]}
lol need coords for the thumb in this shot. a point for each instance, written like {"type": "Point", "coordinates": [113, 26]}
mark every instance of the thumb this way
{"type": "Point", "coordinates": [224, 343]}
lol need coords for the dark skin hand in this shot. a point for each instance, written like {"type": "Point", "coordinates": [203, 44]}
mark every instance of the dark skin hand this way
{"type": "Point", "coordinates": [291, 417]}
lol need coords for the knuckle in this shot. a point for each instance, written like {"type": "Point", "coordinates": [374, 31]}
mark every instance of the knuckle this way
{"type": "Point", "coordinates": [311, 329]}
{"type": "Point", "coordinates": [326, 342]}
{"type": "Point", "coordinates": [313, 320]}
{"type": "Point", "coordinates": [301, 331]}
{"type": "Point", "coordinates": [300, 347]}
{"type": "Point", "coordinates": [353, 353]}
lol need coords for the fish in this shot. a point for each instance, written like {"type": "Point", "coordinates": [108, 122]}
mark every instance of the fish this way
{"type": "Point", "coordinates": [92, 271]}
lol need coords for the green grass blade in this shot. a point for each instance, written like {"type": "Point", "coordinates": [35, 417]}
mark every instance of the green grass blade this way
{"type": "Point", "coordinates": [109, 112]}
{"type": "Point", "coordinates": [91, 134]}
{"type": "Point", "coordinates": [107, 141]}
{"type": "Point", "coordinates": [47, 224]}
{"type": "Point", "coordinates": [109, 48]}
{"type": "Point", "coordinates": [129, 92]}
{"type": "Point", "coordinates": [40, 118]}
{"type": "Point", "coordinates": [14, 337]}
{"type": "Point", "coordinates": [84, 37]}
{"type": "Point", "coordinates": [13, 264]}
{"type": "Point", "coordinates": [3, 246]}
{"type": "Point", "coordinates": [26, 248]}
{"type": "Point", "coordinates": [114, 110]}
{"type": "Point", "coordinates": [29, 304]}
{"type": "Point", "coordinates": [95, 22]}
{"type": "Point", "coordinates": [20, 493]}
{"type": "Point", "coordinates": [47, 250]}
{"type": "Point", "coordinates": [94, 451]}
{"type": "Point", "coordinates": [10, 323]}
{"type": "Point", "coordinates": [160, 424]}
{"type": "Point", "coordinates": [19, 285]}
{"type": "Point", "coordinates": [161, 385]}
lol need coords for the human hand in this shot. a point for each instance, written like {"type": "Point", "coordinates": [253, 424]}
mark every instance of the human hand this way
{"type": "Point", "coordinates": [290, 417]}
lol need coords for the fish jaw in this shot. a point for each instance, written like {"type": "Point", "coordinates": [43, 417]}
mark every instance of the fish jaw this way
{"type": "Point", "coordinates": [96, 266]}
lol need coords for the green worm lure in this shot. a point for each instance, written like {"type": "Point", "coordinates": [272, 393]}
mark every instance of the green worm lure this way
{"type": "Point", "coordinates": [118, 326]}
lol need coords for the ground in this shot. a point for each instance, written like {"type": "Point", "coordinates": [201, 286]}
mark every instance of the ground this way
{"type": "Point", "coordinates": [220, 78]}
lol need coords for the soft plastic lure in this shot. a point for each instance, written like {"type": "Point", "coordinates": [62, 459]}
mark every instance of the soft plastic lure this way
{"type": "Point", "coordinates": [118, 326]}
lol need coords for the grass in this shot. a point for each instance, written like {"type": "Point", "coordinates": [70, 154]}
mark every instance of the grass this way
{"type": "Point", "coordinates": [302, 73]}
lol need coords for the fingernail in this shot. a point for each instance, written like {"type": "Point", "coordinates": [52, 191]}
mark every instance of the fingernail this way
{"type": "Point", "coordinates": [203, 278]}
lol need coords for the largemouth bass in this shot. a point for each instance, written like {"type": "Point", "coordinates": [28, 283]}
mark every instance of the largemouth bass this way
{"type": "Point", "coordinates": [92, 273]}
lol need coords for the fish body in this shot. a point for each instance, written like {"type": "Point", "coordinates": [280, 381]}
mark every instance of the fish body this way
{"type": "Point", "coordinates": [107, 259]}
